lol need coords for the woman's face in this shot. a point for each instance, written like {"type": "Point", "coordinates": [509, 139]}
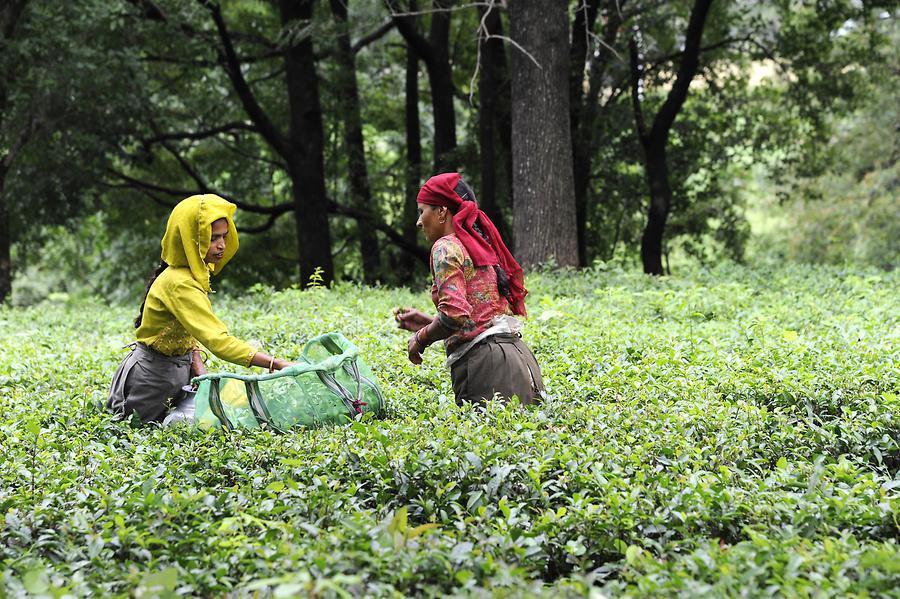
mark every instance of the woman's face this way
{"type": "Point", "coordinates": [217, 241]}
{"type": "Point", "coordinates": [433, 220]}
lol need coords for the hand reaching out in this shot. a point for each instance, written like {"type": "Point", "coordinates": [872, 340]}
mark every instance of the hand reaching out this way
{"type": "Point", "coordinates": [411, 319]}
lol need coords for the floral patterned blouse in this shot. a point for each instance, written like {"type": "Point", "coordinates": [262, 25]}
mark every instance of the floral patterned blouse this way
{"type": "Point", "coordinates": [466, 296]}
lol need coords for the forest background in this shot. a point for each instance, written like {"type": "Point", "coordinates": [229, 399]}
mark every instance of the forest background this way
{"type": "Point", "coordinates": [730, 430]}
{"type": "Point", "coordinates": [650, 134]}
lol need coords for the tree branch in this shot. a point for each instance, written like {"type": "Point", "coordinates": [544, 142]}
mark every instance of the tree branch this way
{"type": "Point", "coordinates": [248, 156]}
{"type": "Point", "coordinates": [152, 12]}
{"type": "Point", "coordinates": [655, 64]}
{"type": "Point", "coordinates": [274, 212]}
{"type": "Point", "coordinates": [186, 167]}
{"type": "Point", "coordinates": [373, 36]}
{"type": "Point", "coordinates": [406, 25]}
{"type": "Point", "coordinates": [232, 65]}
{"type": "Point", "coordinates": [270, 222]}
{"type": "Point", "coordinates": [686, 71]}
{"type": "Point", "coordinates": [367, 219]}
{"type": "Point", "coordinates": [140, 190]}
{"type": "Point", "coordinates": [183, 193]}
{"type": "Point", "coordinates": [198, 135]}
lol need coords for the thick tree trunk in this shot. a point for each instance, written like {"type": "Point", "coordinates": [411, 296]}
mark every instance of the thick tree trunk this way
{"type": "Point", "coordinates": [656, 170]}
{"type": "Point", "coordinates": [413, 159]}
{"type": "Point", "coordinates": [10, 14]}
{"type": "Point", "coordinates": [306, 139]}
{"type": "Point", "coordinates": [543, 187]}
{"type": "Point", "coordinates": [440, 77]}
{"type": "Point", "coordinates": [353, 139]}
{"type": "Point", "coordinates": [489, 87]}
{"type": "Point", "coordinates": [435, 53]}
{"type": "Point", "coordinates": [5, 243]}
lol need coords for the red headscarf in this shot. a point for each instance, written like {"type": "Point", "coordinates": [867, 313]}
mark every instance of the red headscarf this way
{"type": "Point", "coordinates": [450, 191]}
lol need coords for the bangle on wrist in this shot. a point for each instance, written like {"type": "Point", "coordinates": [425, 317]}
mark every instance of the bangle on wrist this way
{"type": "Point", "coordinates": [272, 364]}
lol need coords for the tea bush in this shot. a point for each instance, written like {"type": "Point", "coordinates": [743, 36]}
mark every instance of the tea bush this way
{"type": "Point", "coordinates": [731, 432]}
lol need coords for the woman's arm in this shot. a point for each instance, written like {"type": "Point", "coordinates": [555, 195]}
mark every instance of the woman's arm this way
{"type": "Point", "coordinates": [453, 307]}
{"type": "Point", "coordinates": [198, 366]}
{"type": "Point", "coordinates": [424, 337]}
{"type": "Point", "coordinates": [270, 362]}
{"type": "Point", "coordinates": [192, 308]}
{"type": "Point", "coordinates": [411, 319]}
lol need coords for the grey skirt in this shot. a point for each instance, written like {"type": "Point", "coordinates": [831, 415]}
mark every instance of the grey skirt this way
{"type": "Point", "coordinates": [501, 364]}
{"type": "Point", "coordinates": [148, 383]}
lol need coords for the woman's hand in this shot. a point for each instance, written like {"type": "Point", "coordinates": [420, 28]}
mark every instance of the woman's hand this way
{"type": "Point", "coordinates": [279, 364]}
{"type": "Point", "coordinates": [414, 350]}
{"type": "Point", "coordinates": [410, 319]}
{"type": "Point", "coordinates": [198, 368]}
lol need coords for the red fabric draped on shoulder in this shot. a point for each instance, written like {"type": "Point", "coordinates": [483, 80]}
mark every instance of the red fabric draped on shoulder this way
{"type": "Point", "coordinates": [450, 191]}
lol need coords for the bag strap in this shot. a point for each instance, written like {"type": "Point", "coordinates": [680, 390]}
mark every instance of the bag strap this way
{"type": "Point", "coordinates": [258, 406]}
{"type": "Point", "coordinates": [352, 369]}
{"type": "Point", "coordinates": [335, 387]}
{"type": "Point", "coordinates": [215, 404]}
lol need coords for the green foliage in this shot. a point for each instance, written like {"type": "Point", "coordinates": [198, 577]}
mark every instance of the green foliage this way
{"type": "Point", "coordinates": [850, 213]}
{"type": "Point", "coordinates": [66, 89]}
{"type": "Point", "coordinates": [734, 432]}
{"type": "Point", "coordinates": [315, 279]}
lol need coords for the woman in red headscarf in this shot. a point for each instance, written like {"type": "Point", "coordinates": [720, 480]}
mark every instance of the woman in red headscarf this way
{"type": "Point", "coordinates": [478, 291]}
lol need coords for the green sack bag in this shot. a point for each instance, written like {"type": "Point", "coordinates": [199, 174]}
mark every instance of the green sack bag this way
{"type": "Point", "coordinates": [330, 385]}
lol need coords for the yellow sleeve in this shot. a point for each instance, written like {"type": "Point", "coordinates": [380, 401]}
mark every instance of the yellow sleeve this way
{"type": "Point", "coordinates": [191, 306]}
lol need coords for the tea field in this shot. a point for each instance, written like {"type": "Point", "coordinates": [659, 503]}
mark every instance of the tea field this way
{"type": "Point", "coordinates": [733, 432]}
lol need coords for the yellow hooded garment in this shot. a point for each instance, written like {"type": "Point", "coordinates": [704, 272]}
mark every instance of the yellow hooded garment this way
{"type": "Point", "coordinates": [188, 234]}
{"type": "Point", "coordinates": [177, 313]}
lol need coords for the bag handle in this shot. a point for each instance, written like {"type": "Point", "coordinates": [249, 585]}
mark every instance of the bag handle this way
{"type": "Point", "coordinates": [335, 387]}
{"type": "Point", "coordinates": [215, 404]}
{"type": "Point", "coordinates": [258, 406]}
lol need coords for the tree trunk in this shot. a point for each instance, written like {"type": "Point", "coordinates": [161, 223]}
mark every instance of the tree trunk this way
{"type": "Point", "coordinates": [440, 77]}
{"type": "Point", "coordinates": [5, 243]}
{"type": "Point", "coordinates": [353, 139]}
{"type": "Point", "coordinates": [656, 170]}
{"type": "Point", "coordinates": [413, 158]}
{"type": "Point", "coordinates": [585, 17]}
{"type": "Point", "coordinates": [655, 141]}
{"type": "Point", "coordinates": [10, 14]}
{"type": "Point", "coordinates": [435, 53]}
{"type": "Point", "coordinates": [543, 186]}
{"type": "Point", "coordinates": [306, 139]}
{"type": "Point", "coordinates": [489, 88]}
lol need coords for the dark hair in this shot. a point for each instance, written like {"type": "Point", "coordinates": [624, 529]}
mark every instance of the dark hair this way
{"type": "Point", "coordinates": [466, 194]}
{"type": "Point", "coordinates": [162, 266]}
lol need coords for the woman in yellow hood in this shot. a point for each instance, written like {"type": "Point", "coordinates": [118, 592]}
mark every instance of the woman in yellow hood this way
{"type": "Point", "coordinates": [176, 313]}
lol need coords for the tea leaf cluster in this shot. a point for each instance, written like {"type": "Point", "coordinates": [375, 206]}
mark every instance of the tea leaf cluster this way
{"type": "Point", "coordinates": [731, 432]}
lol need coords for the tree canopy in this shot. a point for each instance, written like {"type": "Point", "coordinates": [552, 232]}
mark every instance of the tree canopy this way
{"type": "Point", "coordinates": [321, 119]}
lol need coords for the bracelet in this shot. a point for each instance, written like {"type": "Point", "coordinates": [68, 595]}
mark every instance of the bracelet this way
{"type": "Point", "coordinates": [272, 364]}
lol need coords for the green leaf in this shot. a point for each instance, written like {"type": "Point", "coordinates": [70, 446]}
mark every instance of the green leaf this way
{"type": "Point", "coordinates": [633, 554]}
{"type": "Point", "coordinates": [36, 581]}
